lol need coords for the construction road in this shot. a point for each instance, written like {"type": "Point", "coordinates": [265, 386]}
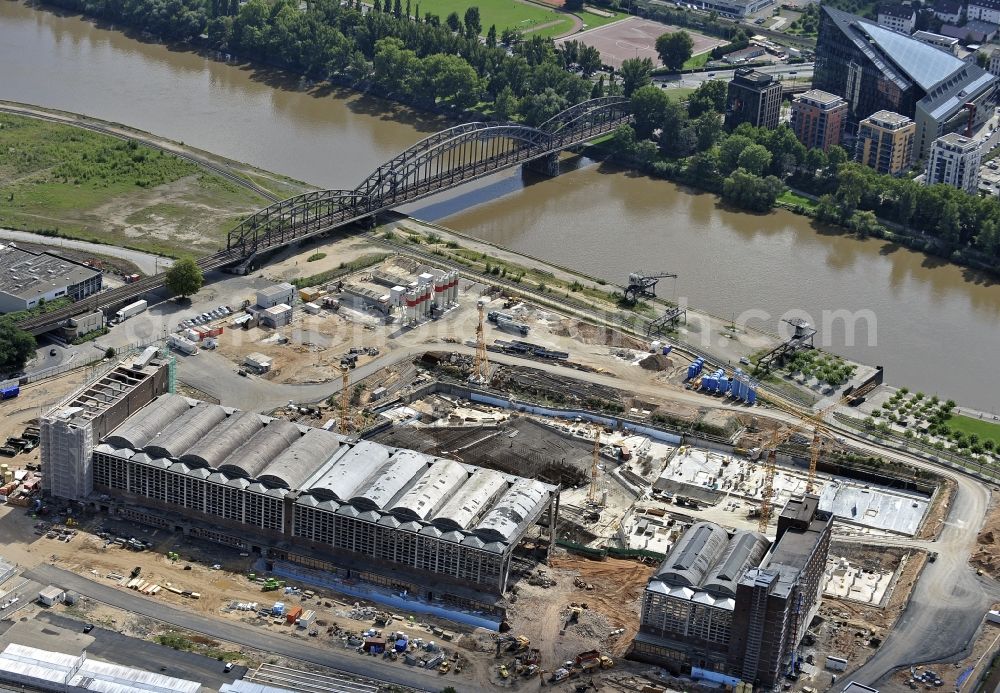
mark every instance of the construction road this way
{"type": "Point", "coordinates": [335, 657]}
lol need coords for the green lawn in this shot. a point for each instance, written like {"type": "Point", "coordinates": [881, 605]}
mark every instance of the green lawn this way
{"type": "Point", "coordinates": [790, 198]}
{"type": "Point", "coordinates": [503, 13]}
{"type": "Point", "coordinates": [696, 61]}
{"type": "Point", "coordinates": [986, 430]}
{"type": "Point", "coordinates": [592, 21]}
{"type": "Point", "coordinates": [679, 93]}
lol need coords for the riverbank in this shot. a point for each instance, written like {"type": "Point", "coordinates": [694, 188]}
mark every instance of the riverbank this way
{"type": "Point", "coordinates": [75, 177]}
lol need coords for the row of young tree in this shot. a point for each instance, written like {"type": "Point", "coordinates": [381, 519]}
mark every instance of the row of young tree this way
{"type": "Point", "coordinates": [750, 167]}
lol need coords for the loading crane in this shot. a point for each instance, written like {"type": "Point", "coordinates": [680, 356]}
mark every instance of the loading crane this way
{"type": "Point", "coordinates": [642, 285]}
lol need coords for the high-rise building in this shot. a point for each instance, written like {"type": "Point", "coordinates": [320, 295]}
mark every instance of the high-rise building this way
{"type": "Point", "coordinates": [818, 118]}
{"type": "Point", "coordinates": [954, 160]}
{"type": "Point", "coordinates": [885, 142]}
{"type": "Point", "coordinates": [733, 607]}
{"type": "Point", "coordinates": [755, 98]}
{"type": "Point", "coordinates": [876, 69]}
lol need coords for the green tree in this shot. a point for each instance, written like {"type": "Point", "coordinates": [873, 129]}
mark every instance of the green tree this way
{"type": "Point", "coordinates": [505, 104]}
{"type": "Point", "coordinates": [473, 24]}
{"type": "Point", "coordinates": [730, 150]}
{"type": "Point", "coordinates": [589, 60]}
{"type": "Point", "coordinates": [709, 96]}
{"type": "Point", "coordinates": [750, 192]}
{"type": "Point", "coordinates": [184, 278]}
{"type": "Point", "coordinates": [491, 36]}
{"type": "Point", "coordinates": [16, 346]}
{"type": "Point", "coordinates": [708, 126]}
{"type": "Point", "coordinates": [836, 155]}
{"type": "Point", "coordinates": [537, 108]}
{"type": "Point", "coordinates": [674, 49]}
{"type": "Point", "coordinates": [636, 73]}
{"type": "Point", "coordinates": [754, 159]}
{"type": "Point", "coordinates": [649, 106]}
{"type": "Point", "coordinates": [453, 22]}
{"type": "Point", "coordinates": [815, 160]}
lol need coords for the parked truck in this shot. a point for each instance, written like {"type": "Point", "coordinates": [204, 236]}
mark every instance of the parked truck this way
{"type": "Point", "coordinates": [10, 391]}
{"type": "Point", "coordinates": [130, 310]}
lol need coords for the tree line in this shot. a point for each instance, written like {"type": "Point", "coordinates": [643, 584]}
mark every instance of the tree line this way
{"type": "Point", "coordinates": [405, 54]}
{"type": "Point", "coordinates": [751, 167]}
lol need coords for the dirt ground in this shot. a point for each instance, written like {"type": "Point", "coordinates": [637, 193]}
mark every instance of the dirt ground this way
{"type": "Point", "coordinates": [987, 554]}
{"type": "Point", "coordinates": [541, 613]}
{"type": "Point", "coordinates": [936, 514]}
{"type": "Point", "coordinates": [849, 627]}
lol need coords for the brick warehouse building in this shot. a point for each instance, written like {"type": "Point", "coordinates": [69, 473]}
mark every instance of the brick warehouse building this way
{"type": "Point", "coordinates": [432, 526]}
{"type": "Point", "coordinates": [733, 607]}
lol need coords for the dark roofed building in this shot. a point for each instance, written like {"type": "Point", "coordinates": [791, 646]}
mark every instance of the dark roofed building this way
{"type": "Point", "coordinates": [753, 97]}
{"type": "Point", "coordinates": [877, 69]}
{"type": "Point", "coordinates": [28, 278]}
{"type": "Point", "coordinates": [722, 604]}
{"type": "Point", "coordinates": [971, 32]}
{"type": "Point", "coordinates": [897, 16]}
{"type": "Point", "coordinates": [949, 10]}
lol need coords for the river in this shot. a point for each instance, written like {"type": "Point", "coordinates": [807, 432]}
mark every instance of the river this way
{"type": "Point", "coordinates": [935, 327]}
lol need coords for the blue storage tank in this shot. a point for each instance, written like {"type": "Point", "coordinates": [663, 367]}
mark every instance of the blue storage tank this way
{"type": "Point", "coordinates": [723, 386]}
{"type": "Point", "coordinates": [741, 389]}
{"type": "Point", "coordinates": [708, 383]}
{"type": "Point", "coordinates": [692, 371]}
{"type": "Point", "coordinates": [666, 350]}
{"type": "Point", "coordinates": [751, 396]}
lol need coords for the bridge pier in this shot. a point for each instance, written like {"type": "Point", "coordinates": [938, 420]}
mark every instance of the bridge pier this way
{"type": "Point", "coordinates": [547, 165]}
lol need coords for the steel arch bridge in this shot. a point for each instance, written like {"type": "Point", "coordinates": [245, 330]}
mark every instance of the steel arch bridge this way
{"type": "Point", "coordinates": [442, 161]}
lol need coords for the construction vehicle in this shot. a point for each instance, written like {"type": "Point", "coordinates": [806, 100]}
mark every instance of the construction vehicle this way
{"type": "Point", "coordinates": [607, 662]}
{"type": "Point", "coordinates": [644, 285]}
{"type": "Point", "coordinates": [503, 671]}
{"type": "Point", "coordinates": [444, 667]}
{"type": "Point", "coordinates": [271, 584]}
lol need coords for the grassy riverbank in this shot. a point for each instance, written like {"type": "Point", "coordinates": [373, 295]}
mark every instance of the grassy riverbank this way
{"type": "Point", "coordinates": [61, 180]}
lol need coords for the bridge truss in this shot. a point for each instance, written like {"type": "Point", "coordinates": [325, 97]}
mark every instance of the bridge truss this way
{"type": "Point", "coordinates": [441, 161]}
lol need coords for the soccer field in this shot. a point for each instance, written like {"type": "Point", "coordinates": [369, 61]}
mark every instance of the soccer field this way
{"type": "Point", "coordinates": [504, 14]}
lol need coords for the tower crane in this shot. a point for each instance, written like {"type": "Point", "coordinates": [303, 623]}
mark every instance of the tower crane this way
{"type": "Point", "coordinates": [644, 285]}
{"type": "Point", "coordinates": [345, 400]}
{"type": "Point", "coordinates": [592, 493]}
{"type": "Point", "coordinates": [820, 431]}
{"type": "Point", "coordinates": [481, 364]}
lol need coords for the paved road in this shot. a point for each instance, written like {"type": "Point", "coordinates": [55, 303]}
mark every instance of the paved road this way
{"type": "Point", "coordinates": [693, 79]}
{"type": "Point", "coordinates": [345, 661]}
{"type": "Point", "coordinates": [50, 630]}
{"type": "Point", "coordinates": [216, 375]}
{"type": "Point", "coordinates": [147, 262]}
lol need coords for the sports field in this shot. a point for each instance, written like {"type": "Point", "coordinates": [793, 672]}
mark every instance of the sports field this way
{"type": "Point", "coordinates": [636, 38]}
{"type": "Point", "coordinates": [526, 17]}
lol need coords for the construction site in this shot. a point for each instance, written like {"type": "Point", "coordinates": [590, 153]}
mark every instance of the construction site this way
{"type": "Point", "coordinates": [505, 488]}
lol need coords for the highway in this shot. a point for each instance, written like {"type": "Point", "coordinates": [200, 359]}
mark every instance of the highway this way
{"type": "Point", "coordinates": [334, 657]}
{"type": "Point", "coordinates": [693, 79]}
